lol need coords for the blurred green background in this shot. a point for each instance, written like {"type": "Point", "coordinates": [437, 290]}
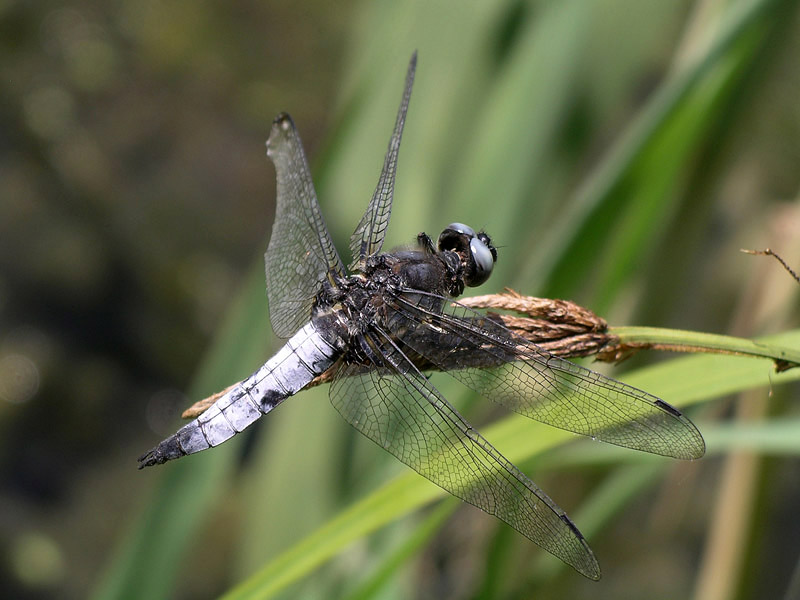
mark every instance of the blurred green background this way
{"type": "Point", "coordinates": [619, 153]}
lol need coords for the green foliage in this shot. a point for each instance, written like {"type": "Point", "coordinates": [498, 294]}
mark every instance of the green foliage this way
{"type": "Point", "coordinates": [524, 120]}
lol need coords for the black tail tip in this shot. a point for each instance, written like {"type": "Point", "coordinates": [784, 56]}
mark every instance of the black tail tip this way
{"type": "Point", "coordinates": [147, 460]}
{"type": "Point", "coordinates": [169, 449]}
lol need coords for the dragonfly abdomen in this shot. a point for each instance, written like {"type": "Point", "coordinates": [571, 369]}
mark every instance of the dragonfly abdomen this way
{"type": "Point", "coordinates": [304, 356]}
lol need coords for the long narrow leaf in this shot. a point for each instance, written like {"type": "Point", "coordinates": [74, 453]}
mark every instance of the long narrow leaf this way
{"type": "Point", "coordinates": [681, 382]}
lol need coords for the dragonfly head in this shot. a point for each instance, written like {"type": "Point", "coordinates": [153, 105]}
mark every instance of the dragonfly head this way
{"type": "Point", "coordinates": [475, 249]}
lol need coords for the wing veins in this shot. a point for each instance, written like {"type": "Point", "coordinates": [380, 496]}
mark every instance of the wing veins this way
{"type": "Point", "coordinates": [300, 252]}
{"type": "Point", "coordinates": [367, 239]}
{"type": "Point", "coordinates": [591, 397]}
{"type": "Point", "coordinates": [487, 480]}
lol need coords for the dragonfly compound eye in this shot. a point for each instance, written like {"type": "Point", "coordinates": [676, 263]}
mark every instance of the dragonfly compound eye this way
{"type": "Point", "coordinates": [475, 249]}
{"type": "Point", "coordinates": [456, 238]}
{"type": "Point", "coordinates": [483, 256]}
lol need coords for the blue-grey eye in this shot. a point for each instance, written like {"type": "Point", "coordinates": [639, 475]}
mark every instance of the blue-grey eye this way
{"type": "Point", "coordinates": [483, 256]}
{"type": "Point", "coordinates": [461, 228]}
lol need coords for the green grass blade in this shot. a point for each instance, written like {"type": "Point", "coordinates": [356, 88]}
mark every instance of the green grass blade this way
{"type": "Point", "coordinates": [556, 248]}
{"type": "Point", "coordinates": [146, 565]}
{"type": "Point", "coordinates": [680, 382]}
{"type": "Point", "coordinates": [693, 341]}
{"type": "Point", "coordinates": [364, 516]}
{"type": "Point", "coordinates": [606, 501]}
{"type": "Point", "coordinates": [421, 535]}
{"type": "Point", "coordinates": [694, 379]}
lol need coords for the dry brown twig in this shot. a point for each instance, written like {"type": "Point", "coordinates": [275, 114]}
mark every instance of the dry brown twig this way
{"type": "Point", "coordinates": [775, 255]}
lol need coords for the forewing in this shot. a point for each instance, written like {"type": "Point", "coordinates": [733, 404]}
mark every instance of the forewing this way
{"type": "Point", "coordinates": [300, 252]}
{"type": "Point", "coordinates": [399, 409]}
{"type": "Point", "coordinates": [367, 239]}
{"type": "Point", "coordinates": [513, 372]}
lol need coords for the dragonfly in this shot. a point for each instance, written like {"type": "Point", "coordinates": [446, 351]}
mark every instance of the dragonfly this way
{"type": "Point", "coordinates": [381, 325]}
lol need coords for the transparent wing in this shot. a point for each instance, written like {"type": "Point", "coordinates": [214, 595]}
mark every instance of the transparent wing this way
{"type": "Point", "coordinates": [399, 409]}
{"type": "Point", "coordinates": [300, 252]}
{"type": "Point", "coordinates": [367, 239]}
{"type": "Point", "coordinates": [519, 375]}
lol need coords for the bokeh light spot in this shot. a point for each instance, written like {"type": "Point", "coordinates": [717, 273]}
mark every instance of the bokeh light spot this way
{"type": "Point", "coordinates": [36, 560]}
{"type": "Point", "coordinates": [19, 378]}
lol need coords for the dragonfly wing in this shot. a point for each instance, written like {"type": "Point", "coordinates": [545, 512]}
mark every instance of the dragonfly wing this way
{"type": "Point", "coordinates": [399, 409]}
{"type": "Point", "coordinates": [503, 367]}
{"type": "Point", "coordinates": [300, 253]}
{"type": "Point", "coordinates": [367, 239]}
